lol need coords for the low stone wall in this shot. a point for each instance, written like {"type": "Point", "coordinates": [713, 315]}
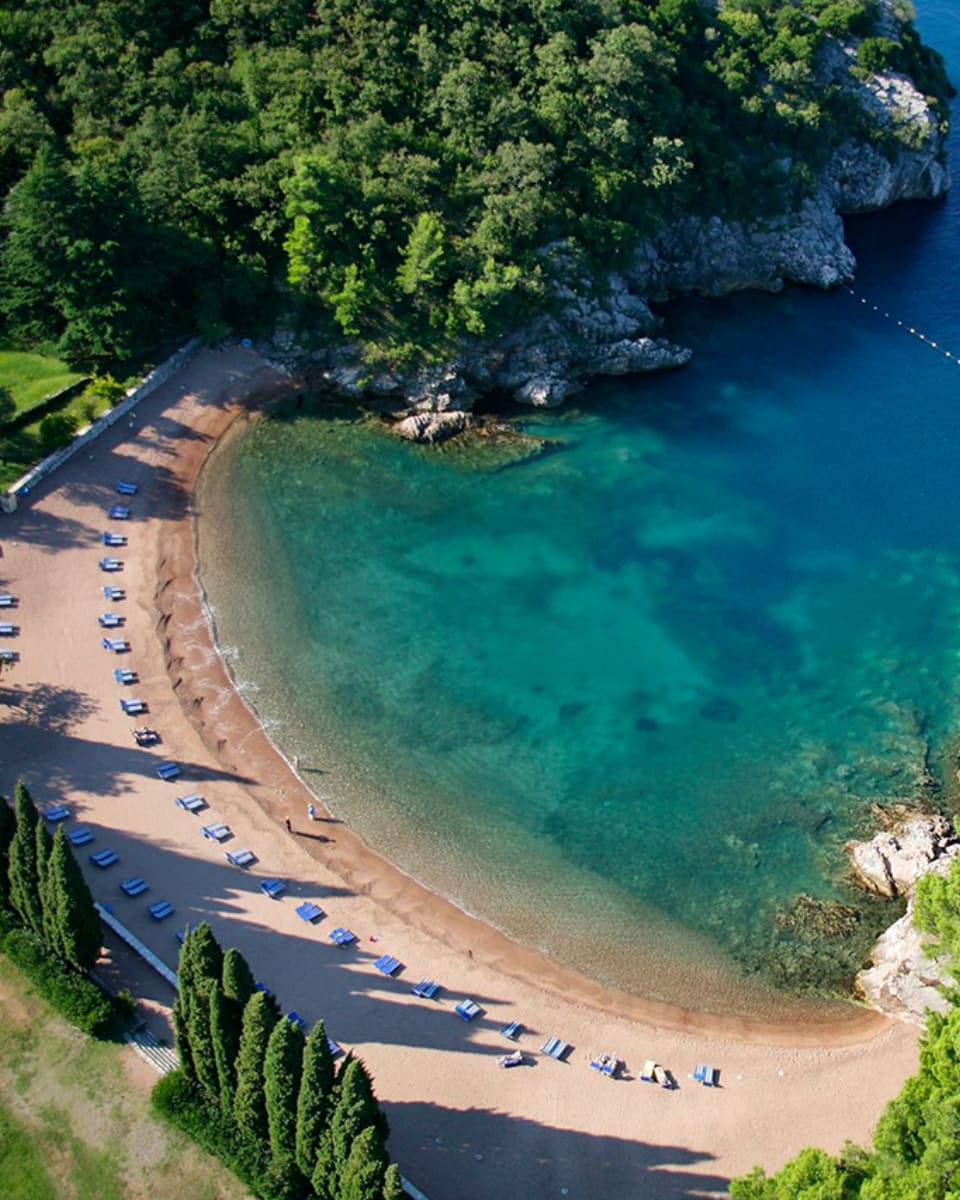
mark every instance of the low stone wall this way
{"type": "Point", "coordinates": [10, 500]}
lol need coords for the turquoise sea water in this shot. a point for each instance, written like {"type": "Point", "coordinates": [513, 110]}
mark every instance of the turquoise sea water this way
{"type": "Point", "coordinates": [628, 699]}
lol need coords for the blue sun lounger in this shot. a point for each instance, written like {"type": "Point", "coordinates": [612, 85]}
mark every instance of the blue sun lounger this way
{"type": "Point", "coordinates": [111, 564]}
{"type": "Point", "coordinates": [216, 832]}
{"type": "Point", "coordinates": [115, 645]}
{"type": "Point", "coordinates": [341, 936]}
{"type": "Point", "coordinates": [6, 629]}
{"type": "Point", "coordinates": [469, 1010]}
{"type": "Point", "coordinates": [114, 593]}
{"type": "Point", "coordinates": [56, 812]}
{"type": "Point", "coordinates": [104, 858]}
{"type": "Point", "coordinates": [606, 1064]}
{"type": "Point", "coordinates": [80, 836]}
{"type": "Point", "coordinates": [133, 707]}
{"type": "Point", "coordinates": [511, 1031]}
{"type": "Point", "coordinates": [705, 1074]}
{"type": "Point", "coordinates": [9, 656]}
{"type": "Point", "coordinates": [162, 908]}
{"type": "Point", "coordinates": [126, 489]}
{"type": "Point", "coordinates": [295, 1019]}
{"type": "Point", "coordinates": [110, 621]}
{"type": "Point", "coordinates": [113, 539]}
{"type": "Point", "coordinates": [426, 989]}
{"type": "Point", "coordinates": [262, 987]}
{"type": "Point", "coordinates": [334, 1047]}
{"type": "Point", "coordinates": [135, 886]}
{"type": "Point", "coordinates": [387, 965]}
{"type": "Point", "coordinates": [123, 675]}
{"type": "Point", "coordinates": [167, 771]}
{"type": "Point", "coordinates": [273, 888]}
{"type": "Point", "coordinates": [240, 858]}
{"type": "Point", "coordinates": [192, 803]}
{"type": "Point", "coordinates": [7, 601]}
{"type": "Point", "coordinates": [555, 1048]}
{"type": "Point", "coordinates": [309, 912]}
{"type": "Point", "coordinates": [119, 512]}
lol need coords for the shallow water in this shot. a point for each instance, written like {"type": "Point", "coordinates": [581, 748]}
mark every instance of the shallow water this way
{"type": "Point", "coordinates": [629, 698]}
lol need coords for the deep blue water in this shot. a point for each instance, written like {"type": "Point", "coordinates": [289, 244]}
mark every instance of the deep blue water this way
{"type": "Point", "coordinates": [628, 699]}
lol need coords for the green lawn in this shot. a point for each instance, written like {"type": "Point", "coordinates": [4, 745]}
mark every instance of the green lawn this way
{"type": "Point", "coordinates": [75, 1117]}
{"type": "Point", "coordinates": [30, 377]}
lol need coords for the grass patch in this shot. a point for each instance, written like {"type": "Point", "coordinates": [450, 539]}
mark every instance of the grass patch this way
{"type": "Point", "coordinates": [81, 1109]}
{"type": "Point", "coordinates": [29, 377]}
{"type": "Point", "coordinates": [21, 1163]}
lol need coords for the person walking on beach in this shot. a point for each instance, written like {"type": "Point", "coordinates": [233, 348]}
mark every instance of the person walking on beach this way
{"type": "Point", "coordinates": [312, 811]}
{"type": "Point", "coordinates": [286, 821]}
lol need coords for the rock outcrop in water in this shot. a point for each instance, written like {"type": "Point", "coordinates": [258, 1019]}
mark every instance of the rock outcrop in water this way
{"type": "Point", "coordinates": [903, 980]}
{"type": "Point", "coordinates": [605, 327]}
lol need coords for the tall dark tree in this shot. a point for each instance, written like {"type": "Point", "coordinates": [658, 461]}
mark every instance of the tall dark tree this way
{"type": "Point", "coordinates": [202, 1045]}
{"type": "Point", "coordinates": [225, 1019]}
{"type": "Point", "coordinates": [24, 876]}
{"type": "Point", "coordinates": [363, 1174]}
{"type": "Point", "coordinates": [201, 959]}
{"type": "Point", "coordinates": [393, 1184]}
{"type": "Point", "coordinates": [238, 981]}
{"type": "Point", "coordinates": [44, 848]}
{"type": "Point", "coordinates": [8, 827]}
{"type": "Point", "coordinates": [316, 1092]}
{"type": "Point", "coordinates": [355, 1109]}
{"type": "Point", "coordinates": [249, 1103]}
{"type": "Point", "coordinates": [69, 913]}
{"type": "Point", "coordinates": [282, 1069]}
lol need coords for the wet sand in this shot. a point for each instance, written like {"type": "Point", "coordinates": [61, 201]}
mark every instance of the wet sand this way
{"type": "Point", "coordinates": [461, 1127]}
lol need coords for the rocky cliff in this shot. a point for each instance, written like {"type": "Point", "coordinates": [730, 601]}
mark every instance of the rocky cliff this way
{"type": "Point", "coordinates": [606, 327]}
{"type": "Point", "coordinates": [903, 980]}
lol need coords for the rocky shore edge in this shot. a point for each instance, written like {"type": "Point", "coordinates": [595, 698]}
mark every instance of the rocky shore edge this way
{"type": "Point", "coordinates": [606, 327]}
{"type": "Point", "coordinates": [903, 980]}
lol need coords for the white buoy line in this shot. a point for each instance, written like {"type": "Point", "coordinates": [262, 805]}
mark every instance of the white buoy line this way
{"type": "Point", "coordinates": [921, 337]}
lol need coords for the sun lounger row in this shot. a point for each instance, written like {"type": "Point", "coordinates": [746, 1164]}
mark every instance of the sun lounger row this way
{"type": "Point", "coordinates": [426, 989]}
{"type": "Point", "coordinates": [110, 621]}
{"type": "Point", "coordinates": [469, 1010]}
{"type": "Point", "coordinates": [341, 936]}
{"type": "Point", "coordinates": [555, 1048]}
{"type": "Point", "coordinates": [133, 707]}
{"type": "Point", "coordinates": [80, 836]}
{"type": "Point", "coordinates": [273, 888]}
{"type": "Point", "coordinates": [606, 1064]}
{"type": "Point", "coordinates": [114, 593]}
{"type": "Point", "coordinates": [115, 645]}
{"type": "Point", "coordinates": [193, 803]}
{"type": "Point", "coordinates": [126, 489]}
{"type": "Point", "coordinates": [386, 964]}
{"type": "Point", "coordinates": [118, 512]}
{"type": "Point", "coordinates": [167, 771]}
{"type": "Point", "coordinates": [309, 912]}
{"type": "Point", "coordinates": [104, 858]}
{"type": "Point", "coordinates": [56, 812]}
{"type": "Point", "coordinates": [7, 601]}
{"type": "Point", "coordinates": [111, 564]}
{"type": "Point", "coordinates": [706, 1075]}
{"type": "Point", "coordinates": [240, 858]}
{"type": "Point", "coordinates": [135, 886]}
{"type": "Point", "coordinates": [113, 539]}
{"type": "Point", "coordinates": [8, 630]}
{"type": "Point", "coordinates": [218, 832]}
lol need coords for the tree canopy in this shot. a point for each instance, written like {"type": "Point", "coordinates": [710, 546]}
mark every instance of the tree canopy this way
{"type": "Point", "coordinates": [391, 168]}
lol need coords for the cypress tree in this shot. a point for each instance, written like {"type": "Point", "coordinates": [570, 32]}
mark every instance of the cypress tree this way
{"type": "Point", "coordinates": [23, 874]}
{"type": "Point", "coordinates": [200, 1034]}
{"type": "Point", "coordinates": [44, 848]}
{"type": "Point", "coordinates": [313, 1103]}
{"type": "Point", "coordinates": [238, 981]}
{"type": "Point", "coordinates": [363, 1173]}
{"type": "Point", "coordinates": [225, 1018]}
{"type": "Point", "coordinates": [8, 827]}
{"type": "Point", "coordinates": [181, 1037]}
{"type": "Point", "coordinates": [392, 1184]}
{"type": "Point", "coordinates": [355, 1109]}
{"type": "Point", "coordinates": [69, 914]}
{"type": "Point", "coordinates": [249, 1106]}
{"type": "Point", "coordinates": [200, 958]}
{"type": "Point", "coordinates": [282, 1068]}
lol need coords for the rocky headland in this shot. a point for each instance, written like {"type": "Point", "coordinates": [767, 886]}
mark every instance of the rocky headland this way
{"type": "Point", "coordinates": [903, 979]}
{"type": "Point", "coordinates": [606, 327]}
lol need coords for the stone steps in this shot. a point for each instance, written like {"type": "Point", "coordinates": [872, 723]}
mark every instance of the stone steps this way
{"type": "Point", "coordinates": [161, 1057]}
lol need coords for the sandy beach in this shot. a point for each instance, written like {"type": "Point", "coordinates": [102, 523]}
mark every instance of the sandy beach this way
{"type": "Point", "coordinates": [462, 1129]}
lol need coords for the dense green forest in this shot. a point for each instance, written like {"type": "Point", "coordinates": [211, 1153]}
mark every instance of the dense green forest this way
{"type": "Point", "coordinates": [916, 1145]}
{"type": "Point", "coordinates": [386, 168]}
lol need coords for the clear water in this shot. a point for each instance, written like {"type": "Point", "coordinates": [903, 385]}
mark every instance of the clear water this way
{"type": "Point", "coordinates": [629, 698]}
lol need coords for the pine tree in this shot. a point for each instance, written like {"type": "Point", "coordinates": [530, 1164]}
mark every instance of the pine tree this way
{"type": "Point", "coordinates": [225, 1018]}
{"type": "Point", "coordinates": [44, 848]}
{"type": "Point", "coordinates": [355, 1109]}
{"type": "Point", "coordinates": [363, 1173]}
{"type": "Point", "coordinates": [282, 1068]}
{"type": "Point", "coordinates": [249, 1105]}
{"type": "Point", "coordinates": [23, 875]}
{"type": "Point", "coordinates": [238, 982]}
{"type": "Point", "coordinates": [69, 914]}
{"type": "Point", "coordinates": [316, 1092]}
{"type": "Point", "coordinates": [392, 1184]}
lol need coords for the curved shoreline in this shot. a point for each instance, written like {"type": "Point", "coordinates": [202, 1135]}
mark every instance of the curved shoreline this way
{"type": "Point", "coordinates": [459, 1126]}
{"type": "Point", "coordinates": [370, 874]}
